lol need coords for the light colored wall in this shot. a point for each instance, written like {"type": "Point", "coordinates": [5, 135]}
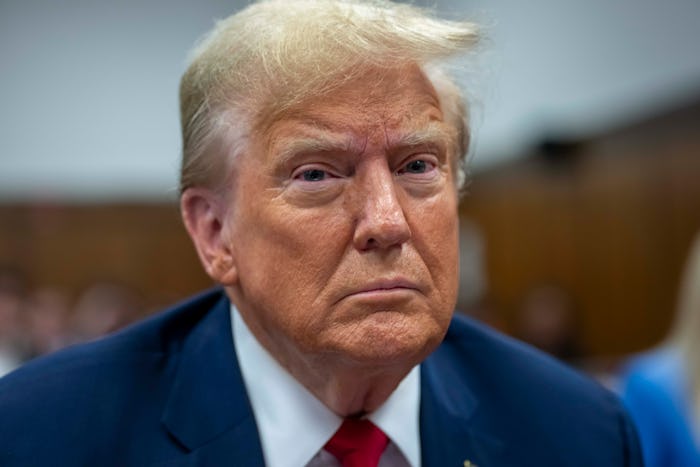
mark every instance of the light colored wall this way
{"type": "Point", "coordinates": [88, 89]}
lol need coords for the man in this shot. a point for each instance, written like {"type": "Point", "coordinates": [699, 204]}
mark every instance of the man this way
{"type": "Point", "coordinates": [322, 160]}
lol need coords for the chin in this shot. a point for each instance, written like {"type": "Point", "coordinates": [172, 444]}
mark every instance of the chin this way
{"type": "Point", "coordinates": [380, 340]}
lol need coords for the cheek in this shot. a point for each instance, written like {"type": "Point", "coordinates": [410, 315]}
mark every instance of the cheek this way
{"type": "Point", "coordinates": [309, 240]}
{"type": "Point", "coordinates": [447, 269]}
{"type": "Point", "coordinates": [436, 236]}
{"type": "Point", "coordinates": [288, 257]}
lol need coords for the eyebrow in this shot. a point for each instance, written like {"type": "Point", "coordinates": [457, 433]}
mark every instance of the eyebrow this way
{"type": "Point", "coordinates": [315, 137]}
{"type": "Point", "coordinates": [321, 139]}
{"type": "Point", "coordinates": [311, 145]}
{"type": "Point", "coordinates": [432, 133]}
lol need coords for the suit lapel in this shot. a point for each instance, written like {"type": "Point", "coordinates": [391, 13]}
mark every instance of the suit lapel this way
{"type": "Point", "coordinates": [209, 414]}
{"type": "Point", "coordinates": [208, 411]}
{"type": "Point", "coordinates": [450, 435]}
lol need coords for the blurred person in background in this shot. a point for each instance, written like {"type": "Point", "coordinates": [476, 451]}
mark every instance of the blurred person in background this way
{"type": "Point", "coordinates": [103, 308]}
{"type": "Point", "coordinates": [662, 387]}
{"type": "Point", "coordinates": [47, 321]}
{"type": "Point", "coordinates": [13, 302]}
{"type": "Point", "coordinates": [324, 151]}
{"type": "Point", "coordinates": [547, 318]}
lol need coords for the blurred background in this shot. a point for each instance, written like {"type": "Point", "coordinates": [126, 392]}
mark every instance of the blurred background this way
{"type": "Point", "coordinates": [585, 182]}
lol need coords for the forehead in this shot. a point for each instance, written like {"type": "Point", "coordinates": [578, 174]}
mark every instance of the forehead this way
{"type": "Point", "coordinates": [384, 104]}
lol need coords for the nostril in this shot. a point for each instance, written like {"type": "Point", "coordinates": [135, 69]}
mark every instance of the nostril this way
{"type": "Point", "coordinates": [381, 235]}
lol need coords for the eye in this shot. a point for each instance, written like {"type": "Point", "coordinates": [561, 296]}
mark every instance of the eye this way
{"type": "Point", "coordinates": [314, 183]}
{"type": "Point", "coordinates": [313, 175]}
{"type": "Point", "coordinates": [416, 166]}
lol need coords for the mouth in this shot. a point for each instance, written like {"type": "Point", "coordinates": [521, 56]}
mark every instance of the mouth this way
{"type": "Point", "coordinates": [383, 288]}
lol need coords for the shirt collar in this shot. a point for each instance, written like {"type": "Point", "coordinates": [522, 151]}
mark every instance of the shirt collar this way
{"type": "Point", "coordinates": [282, 405]}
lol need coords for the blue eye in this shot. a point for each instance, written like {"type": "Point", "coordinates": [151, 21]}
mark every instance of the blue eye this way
{"type": "Point", "coordinates": [313, 175]}
{"type": "Point", "coordinates": [416, 167]}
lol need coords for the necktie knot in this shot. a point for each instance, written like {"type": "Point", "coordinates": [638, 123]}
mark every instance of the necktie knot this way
{"type": "Point", "coordinates": [357, 443]}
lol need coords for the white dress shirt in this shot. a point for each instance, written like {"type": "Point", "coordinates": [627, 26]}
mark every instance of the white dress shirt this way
{"type": "Point", "coordinates": [294, 426]}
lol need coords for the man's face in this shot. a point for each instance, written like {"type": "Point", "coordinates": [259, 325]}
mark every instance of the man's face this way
{"type": "Point", "coordinates": [342, 225]}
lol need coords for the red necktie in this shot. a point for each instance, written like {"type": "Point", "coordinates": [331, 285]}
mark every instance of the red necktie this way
{"type": "Point", "coordinates": [357, 443]}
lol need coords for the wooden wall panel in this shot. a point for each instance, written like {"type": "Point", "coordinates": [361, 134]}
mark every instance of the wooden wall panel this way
{"type": "Point", "coordinates": [611, 222]}
{"type": "Point", "coordinates": [71, 247]}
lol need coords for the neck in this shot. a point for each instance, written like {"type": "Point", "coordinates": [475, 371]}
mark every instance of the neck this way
{"type": "Point", "coordinates": [347, 387]}
{"type": "Point", "coordinates": [352, 392]}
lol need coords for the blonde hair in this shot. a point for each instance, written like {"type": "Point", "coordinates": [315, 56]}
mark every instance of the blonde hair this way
{"type": "Point", "coordinates": [685, 332]}
{"type": "Point", "coordinates": [275, 54]}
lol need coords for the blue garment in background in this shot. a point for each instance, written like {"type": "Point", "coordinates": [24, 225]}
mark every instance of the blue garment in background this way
{"type": "Point", "coordinates": [655, 390]}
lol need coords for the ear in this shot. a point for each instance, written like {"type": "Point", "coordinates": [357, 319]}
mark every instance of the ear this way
{"type": "Point", "coordinates": [203, 213]}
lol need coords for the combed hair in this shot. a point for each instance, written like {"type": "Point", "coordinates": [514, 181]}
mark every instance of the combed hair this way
{"type": "Point", "coordinates": [275, 54]}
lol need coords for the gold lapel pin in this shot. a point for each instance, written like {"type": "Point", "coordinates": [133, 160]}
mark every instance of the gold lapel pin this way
{"type": "Point", "coordinates": [469, 463]}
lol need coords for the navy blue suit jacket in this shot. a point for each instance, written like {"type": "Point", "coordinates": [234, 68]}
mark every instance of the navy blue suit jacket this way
{"type": "Point", "coordinates": [168, 392]}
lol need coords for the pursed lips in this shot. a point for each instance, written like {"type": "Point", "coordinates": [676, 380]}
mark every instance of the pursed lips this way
{"type": "Point", "coordinates": [382, 286]}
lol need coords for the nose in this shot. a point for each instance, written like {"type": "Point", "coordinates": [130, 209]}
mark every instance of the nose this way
{"type": "Point", "coordinates": [381, 223]}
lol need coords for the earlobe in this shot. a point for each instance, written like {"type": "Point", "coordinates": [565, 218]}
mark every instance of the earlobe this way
{"type": "Point", "coordinates": [203, 212]}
